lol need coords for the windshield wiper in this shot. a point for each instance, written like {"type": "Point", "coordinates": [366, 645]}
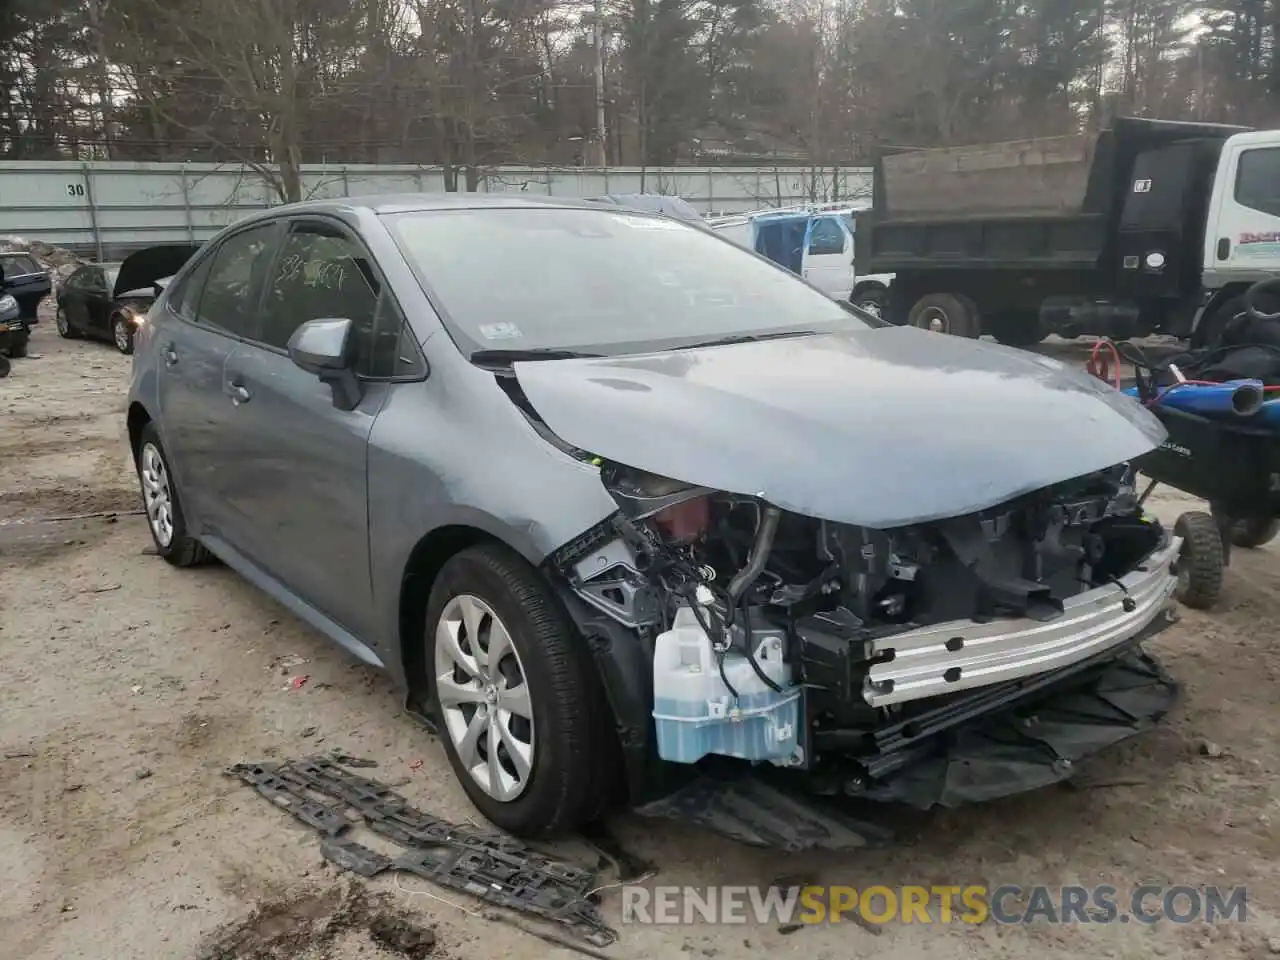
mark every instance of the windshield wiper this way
{"type": "Point", "coordinates": [503, 358]}
{"type": "Point", "coordinates": [747, 338]}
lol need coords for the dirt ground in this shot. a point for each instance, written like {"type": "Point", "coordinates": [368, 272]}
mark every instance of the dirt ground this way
{"type": "Point", "coordinates": [126, 687]}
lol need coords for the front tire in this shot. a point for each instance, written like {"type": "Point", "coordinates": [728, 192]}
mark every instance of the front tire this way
{"type": "Point", "coordinates": [122, 334]}
{"type": "Point", "coordinates": [165, 518]}
{"type": "Point", "coordinates": [516, 695]}
{"type": "Point", "coordinates": [874, 300]}
{"type": "Point", "coordinates": [64, 324]}
{"type": "Point", "coordinates": [1201, 560]}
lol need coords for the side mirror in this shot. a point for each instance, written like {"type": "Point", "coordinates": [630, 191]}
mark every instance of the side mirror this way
{"type": "Point", "coordinates": [326, 347]}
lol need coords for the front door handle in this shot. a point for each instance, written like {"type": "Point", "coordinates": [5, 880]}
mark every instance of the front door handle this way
{"type": "Point", "coordinates": [170, 355]}
{"type": "Point", "coordinates": [1224, 248]}
{"type": "Point", "coordinates": [239, 393]}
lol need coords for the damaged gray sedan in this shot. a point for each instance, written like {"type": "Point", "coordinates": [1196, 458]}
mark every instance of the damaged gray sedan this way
{"type": "Point", "coordinates": [627, 510]}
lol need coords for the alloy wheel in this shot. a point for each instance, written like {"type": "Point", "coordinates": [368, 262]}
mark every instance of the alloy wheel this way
{"type": "Point", "coordinates": [157, 494]}
{"type": "Point", "coordinates": [484, 697]}
{"type": "Point", "coordinates": [120, 329]}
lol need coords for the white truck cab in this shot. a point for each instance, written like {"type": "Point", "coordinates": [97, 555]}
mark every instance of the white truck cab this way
{"type": "Point", "coordinates": [814, 242]}
{"type": "Point", "coordinates": [1242, 239]}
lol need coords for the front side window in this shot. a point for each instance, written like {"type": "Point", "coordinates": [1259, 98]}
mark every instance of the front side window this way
{"type": "Point", "coordinates": [321, 273]}
{"type": "Point", "coordinates": [599, 281]}
{"type": "Point", "coordinates": [228, 298]}
{"type": "Point", "coordinates": [1258, 180]}
{"type": "Point", "coordinates": [826, 237]}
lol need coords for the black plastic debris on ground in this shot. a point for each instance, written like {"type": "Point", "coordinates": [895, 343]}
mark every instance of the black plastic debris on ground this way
{"type": "Point", "coordinates": [492, 867]}
{"type": "Point", "coordinates": [759, 814]}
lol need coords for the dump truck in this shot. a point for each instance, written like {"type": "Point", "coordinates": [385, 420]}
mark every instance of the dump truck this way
{"type": "Point", "coordinates": [1146, 227]}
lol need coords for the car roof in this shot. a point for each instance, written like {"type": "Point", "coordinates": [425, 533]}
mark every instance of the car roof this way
{"type": "Point", "coordinates": [392, 203]}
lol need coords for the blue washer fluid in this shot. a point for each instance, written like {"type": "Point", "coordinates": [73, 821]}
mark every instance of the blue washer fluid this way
{"type": "Point", "coordinates": [693, 711]}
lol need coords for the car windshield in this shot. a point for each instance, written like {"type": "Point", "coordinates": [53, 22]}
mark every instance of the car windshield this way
{"type": "Point", "coordinates": [600, 281]}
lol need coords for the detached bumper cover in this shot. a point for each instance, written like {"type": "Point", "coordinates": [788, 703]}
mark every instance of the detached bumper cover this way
{"type": "Point", "coordinates": [950, 657]}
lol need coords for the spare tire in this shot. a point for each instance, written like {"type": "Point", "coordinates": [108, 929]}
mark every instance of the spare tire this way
{"type": "Point", "coordinates": [945, 313]}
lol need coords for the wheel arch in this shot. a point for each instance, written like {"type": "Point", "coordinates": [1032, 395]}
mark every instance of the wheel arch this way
{"type": "Point", "coordinates": [426, 559]}
{"type": "Point", "coordinates": [137, 419]}
{"type": "Point", "coordinates": [864, 286]}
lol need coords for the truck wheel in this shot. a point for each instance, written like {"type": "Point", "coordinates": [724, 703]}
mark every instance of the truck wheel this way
{"type": "Point", "coordinates": [944, 313]}
{"type": "Point", "coordinates": [1253, 532]}
{"type": "Point", "coordinates": [1201, 561]}
{"type": "Point", "coordinates": [871, 299]}
{"type": "Point", "coordinates": [1015, 328]}
{"type": "Point", "coordinates": [1210, 329]}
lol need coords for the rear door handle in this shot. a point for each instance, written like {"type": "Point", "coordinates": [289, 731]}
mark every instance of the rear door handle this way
{"type": "Point", "coordinates": [170, 355]}
{"type": "Point", "coordinates": [239, 393]}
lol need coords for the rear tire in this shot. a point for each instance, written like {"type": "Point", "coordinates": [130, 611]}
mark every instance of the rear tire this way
{"type": "Point", "coordinates": [18, 346]}
{"type": "Point", "coordinates": [1015, 328]}
{"type": "Point", "coordinates": [165, 519]}
{"type": "Point", "coordinates": [1254, 532]}
{"type": "Point", "coordinates": [1201, 562]}
{"type": "Point", "coordinates": [1211, 327]}
{"type": "Point", "coordinates": [556, 785]}
{"type": "Point", "coordinates": [944, 313]}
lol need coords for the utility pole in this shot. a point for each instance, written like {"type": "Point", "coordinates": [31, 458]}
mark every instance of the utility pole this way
{"type": "Point", "coordinates": [601, 157]}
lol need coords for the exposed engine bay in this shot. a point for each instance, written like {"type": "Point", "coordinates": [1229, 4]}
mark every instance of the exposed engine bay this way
{"type": "Point", "coordinates": [838, 650]}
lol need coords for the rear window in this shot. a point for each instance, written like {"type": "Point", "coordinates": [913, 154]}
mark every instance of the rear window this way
{"type": "Point", "coordinates": [17, 264]}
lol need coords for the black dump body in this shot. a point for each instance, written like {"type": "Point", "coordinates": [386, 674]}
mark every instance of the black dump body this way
{"type": "Point", "coordinates": [1233, 466]}
{"type": "Point", "coordinates": [26, 280]}
{"type": "Point", "coordinates": [1083, 206]}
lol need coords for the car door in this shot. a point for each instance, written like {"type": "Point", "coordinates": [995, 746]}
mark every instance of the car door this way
{"type": "Point", "coordinates": [828, 258]}
{"type": "Point", "coordinates": [1244, 244]}
{"type": "Point", "coordinates": [303, 461]}
{"type": "Point", "coordinates": [211, 312]}
{"type": "Point", "coordinates": [75, 297]}
{"type": "Point", "coordinates": [98, 302]}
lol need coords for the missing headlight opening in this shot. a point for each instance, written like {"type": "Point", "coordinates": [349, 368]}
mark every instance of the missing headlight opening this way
{"type": "Point", "coordinates": [827, 647]}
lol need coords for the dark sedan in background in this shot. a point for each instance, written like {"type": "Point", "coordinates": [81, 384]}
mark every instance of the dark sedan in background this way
{"type": "Point", "coordinates": [23, 284]}
{"type": "Point", "coordinates": [107, 301]}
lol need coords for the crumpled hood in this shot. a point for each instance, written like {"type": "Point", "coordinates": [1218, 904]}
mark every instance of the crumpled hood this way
{"type": "Point", "coordinates": [144, 267]}
{"type": "Point", "coordinates": [880, 428]}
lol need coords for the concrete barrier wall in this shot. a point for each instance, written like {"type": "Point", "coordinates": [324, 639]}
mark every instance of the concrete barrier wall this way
{"type": "Point", "coordinates": [104, 209]}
